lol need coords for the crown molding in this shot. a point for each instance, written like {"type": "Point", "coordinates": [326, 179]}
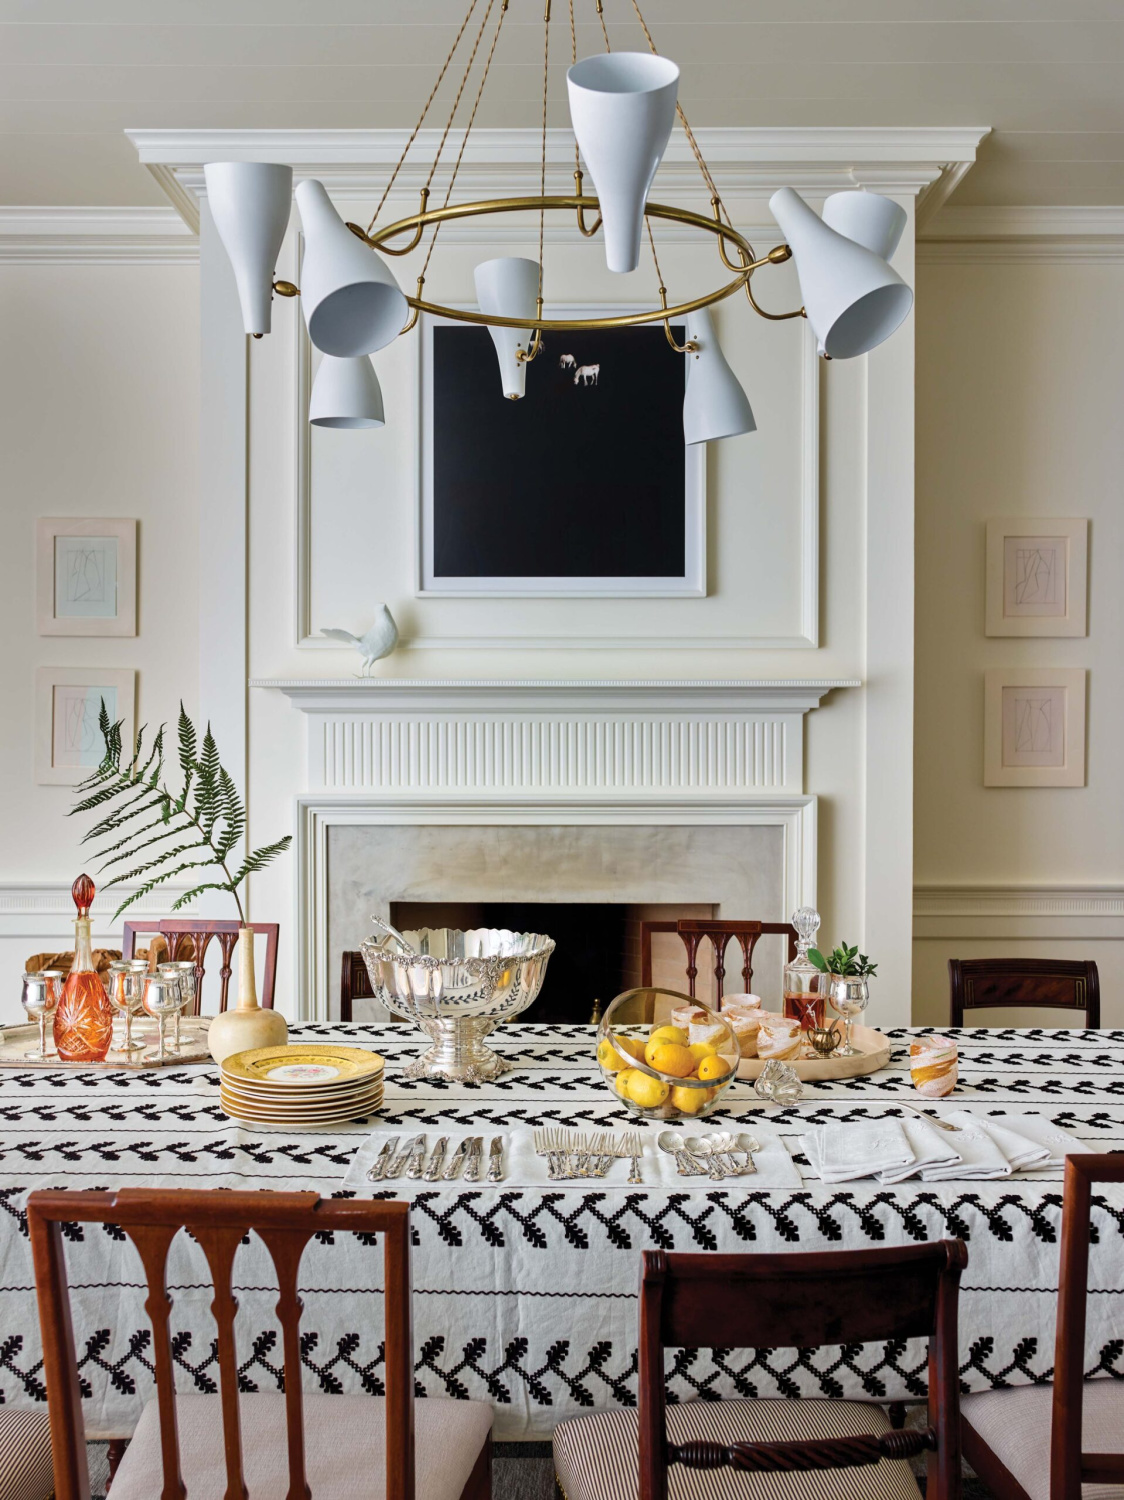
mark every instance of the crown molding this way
{"type": "Point", "coordinates": [747, 161]}
{"type": "Point", "coordinates": [95, 236]}
{"type": "Point", "coordinates": [1024, 232]}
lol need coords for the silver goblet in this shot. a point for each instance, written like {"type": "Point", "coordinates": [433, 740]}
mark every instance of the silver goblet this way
{"type": "Point", "coordinates": [161, 1000]}
{"type": "Point", "coordinates": [40, 999]}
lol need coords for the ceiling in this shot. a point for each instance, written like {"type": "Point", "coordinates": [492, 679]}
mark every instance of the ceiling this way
{"type": "Point", "coordinates": [1047, 75]}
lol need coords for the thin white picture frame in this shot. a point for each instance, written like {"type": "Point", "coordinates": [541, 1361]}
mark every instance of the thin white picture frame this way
{"type": "Point", "coordinates": [1049, 717]}
{"type": "Point", "coordinates": [103, 564]}
{"type": "Point", "coordinates": [428, 586]}
{"type": "Point", "coordinates": [51, 686]}
{"type": "Point", "coordinates": [1046, 556]}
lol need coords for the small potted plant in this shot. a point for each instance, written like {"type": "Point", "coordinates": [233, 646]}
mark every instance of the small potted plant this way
{"type": "Point", "coordinates": [849, 973]}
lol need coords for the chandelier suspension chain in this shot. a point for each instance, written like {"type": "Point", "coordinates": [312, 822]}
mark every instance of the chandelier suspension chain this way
{"type": "Point", "coordinates": [687, 131]}
{"type": "Point", "coordinates": [525, 356]}
{"type": "Point", "coordinates": [604, 28]}
{"type": "Point", "coordinates": [588, 230]}
{"type": "Point", "coordinates": [421, 118]}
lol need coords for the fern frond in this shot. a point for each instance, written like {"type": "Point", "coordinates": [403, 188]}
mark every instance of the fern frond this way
{"type": "Point", "coordinates": [150, 885]}
{"type": "Point", "coordinates": [144, 801]}
{"type": "Point", "coordinates": [260, 858]}
{"type": "Point", "coordinates": [154, 864]}
{"type": "Point", "coordinates": [134, 848]}
{"type": "Point", "coordinates": [189, 896]}
{"type": "Point", "coordinates": [233, 815]}
{"type": "Point", "coordinates": [185, 733]}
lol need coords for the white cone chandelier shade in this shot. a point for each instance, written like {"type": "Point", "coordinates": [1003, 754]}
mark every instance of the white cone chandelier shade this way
{"type": "Point", "coordinates": [250, 202]}
{"type": "Point", "coordinates": [622, 107]}
{"type": "Point", "coordinates": [346, 393]}
{"type": "Point", "coordinates": [715, 405]}
{"type": "Point", "coordinates": [508, 288]}
{"type": "Point", "coordinates": [352, 303]}
{"type": "Point", "coordinates": [853, 299]}
{"type": "Point", "coordinates": [869, 219]}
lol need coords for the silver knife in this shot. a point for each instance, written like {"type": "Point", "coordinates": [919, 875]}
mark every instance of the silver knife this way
{"type": "Point", "coordinates": [416, 1153]}
{"type": "Point", "coordinates": [472, 1167]}
{"type": "Point", "coordinates": [382, 1160]}
{"type": "Point", "coordinates": [456, 1161]}
{"type": "Point", "coordinates": [495, 1151]}
{"type": "Point", "coordinates": [436, 1161]}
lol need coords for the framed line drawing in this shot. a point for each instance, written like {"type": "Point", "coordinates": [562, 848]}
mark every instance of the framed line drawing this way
{"type": "Point", "coordinates": [582, 489]}
{"type": "Point", "coordinates": [1037, 572]}
{"type": "Point", "coordinates": [86, 576]}
{"type": "Point", "coordinates": [68, 740]}
{"type": "Point", "coordinates": [1034, 726]}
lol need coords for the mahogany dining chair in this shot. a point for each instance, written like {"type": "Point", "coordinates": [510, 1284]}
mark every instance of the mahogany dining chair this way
{"type": "Point", "coordinates": [1026, 983]}
{"type": "Point", "coordinates": [256, 1445]}
{"type": "Point", "coordinates": [824, 1449]}
{"type": "Point", "coordinates": [26, 1472]}
{"type": "Point", "coordinates": [692, 931]}
{"type": "Point", "coordinates": [1044, 1442]}
{"type": "Point", "coordinates": [190, 937]}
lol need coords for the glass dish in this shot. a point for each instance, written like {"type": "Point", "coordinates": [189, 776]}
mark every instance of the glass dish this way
{"type": "Point", "coordinates": [684, 1080]}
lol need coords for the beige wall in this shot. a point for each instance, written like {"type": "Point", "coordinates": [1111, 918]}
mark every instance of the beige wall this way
{"type": "Point", "coordinates": [1020, 378]}
{"type": "Point", "coordinates": [99, 416]}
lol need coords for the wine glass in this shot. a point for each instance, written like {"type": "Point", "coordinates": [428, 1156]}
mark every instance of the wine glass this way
{"type": "Point", "coordinates": [848, 996]}
{"type": "Point", "coordinates": [161, 1000]}
{"type": "Point", "coordinates": [184, 969]}
{"type": "Point", "coordinates": [40, 999]}
{"type": "Point", "coordinates": [125, 992]}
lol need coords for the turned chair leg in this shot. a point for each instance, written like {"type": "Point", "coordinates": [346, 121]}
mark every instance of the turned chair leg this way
{"type": "Point", "coordinates": [117, 1448]}
{"type": "Point", "coordinates": [896, 1412]}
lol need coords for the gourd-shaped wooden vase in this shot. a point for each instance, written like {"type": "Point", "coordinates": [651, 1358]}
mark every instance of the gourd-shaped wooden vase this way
{"type": "Point", "coordinates": [248, 1025]}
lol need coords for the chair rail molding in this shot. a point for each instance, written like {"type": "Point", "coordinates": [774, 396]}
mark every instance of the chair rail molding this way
{"type": "Point", "coordinates": [1018, 911]}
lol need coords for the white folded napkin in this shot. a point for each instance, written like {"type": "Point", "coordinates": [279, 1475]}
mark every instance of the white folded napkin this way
{"type": "Point", "coordinates": [983, 1151]}
{"type": "Point", "coordinates": [840, 1151]}
{"type": "Point", "coordinates": [1024, 1133]}
{"type": "Point", "coordinates": [931, 1148]}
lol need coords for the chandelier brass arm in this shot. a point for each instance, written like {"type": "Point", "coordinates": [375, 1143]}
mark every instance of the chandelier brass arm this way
{"type": "Point", "coordinates": [419, 221]}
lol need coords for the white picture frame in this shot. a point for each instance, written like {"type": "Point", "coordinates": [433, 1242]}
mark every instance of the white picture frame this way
{"type": "Point", "coordinates": [86, 575]}
{"type": "Point", "coordinates": [1034, 726]}
{"type": "Point", "coordinates": [428, 584]}
{"type": "Point", "coordinates": [68, 746]}
{"type": "Point", "coordinates": [1037, 576]}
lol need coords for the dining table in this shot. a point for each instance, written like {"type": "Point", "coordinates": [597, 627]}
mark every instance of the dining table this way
{"type": "Point", "coordinates": [525, 1292]}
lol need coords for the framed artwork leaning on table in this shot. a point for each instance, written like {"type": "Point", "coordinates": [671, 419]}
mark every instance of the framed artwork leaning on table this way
{"type": "Point", "coordinates": [86, 575]}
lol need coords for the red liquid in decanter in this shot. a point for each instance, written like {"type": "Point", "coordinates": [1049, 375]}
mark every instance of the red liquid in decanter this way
{"type": "Point", "coordinates": [83, 1026]}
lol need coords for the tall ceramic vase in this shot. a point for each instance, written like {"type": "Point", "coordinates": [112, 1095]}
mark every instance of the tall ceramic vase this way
{"type": "Point", "coordinates": [622, 108]}
{"type": "Point", "coordinates": [247, 1026]}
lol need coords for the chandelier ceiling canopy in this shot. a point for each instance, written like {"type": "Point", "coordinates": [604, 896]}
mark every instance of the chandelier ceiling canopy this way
{"type": "Point", "coordinates": [623, 106]}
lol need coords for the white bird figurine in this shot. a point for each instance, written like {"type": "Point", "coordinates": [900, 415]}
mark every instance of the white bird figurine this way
{"type": "Point", "coordinates": [379, 641]}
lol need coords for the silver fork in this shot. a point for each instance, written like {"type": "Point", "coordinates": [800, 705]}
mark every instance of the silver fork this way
{"type": "Point", "coordinates": [635, 1150]}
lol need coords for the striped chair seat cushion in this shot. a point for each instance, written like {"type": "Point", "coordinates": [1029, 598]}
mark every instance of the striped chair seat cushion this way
{"type": "Point", "coordinates": [1015, 1425]}
{"type": "Point", "coordinates": [596, 1457]}
{"type": "Point", "coordinates": [25, 1455]}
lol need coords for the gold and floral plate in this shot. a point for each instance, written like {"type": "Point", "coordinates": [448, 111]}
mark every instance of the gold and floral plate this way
{"type": "Point", "coordinates": [304, 1065]}
{"type": "Point", "coordinates": [329, 1094]}
{"type": "Point", "coordinates": [303, 1101]}
{"type": "Point", "coordinates": [366, 1102]}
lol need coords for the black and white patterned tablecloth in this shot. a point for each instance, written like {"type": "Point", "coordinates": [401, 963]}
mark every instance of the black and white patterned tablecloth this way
{"type": "Point", "coordinates": [527, 1297]}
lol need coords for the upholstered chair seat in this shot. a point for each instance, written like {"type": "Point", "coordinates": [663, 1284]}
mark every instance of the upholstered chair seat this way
{"type": "Point", "coordinates": [1015, 1425]}
{"type": "Point", "coordinates": [25, 1455]}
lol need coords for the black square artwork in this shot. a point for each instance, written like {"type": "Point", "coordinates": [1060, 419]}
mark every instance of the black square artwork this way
{"type": "Point", "coordinates": [584, 477]}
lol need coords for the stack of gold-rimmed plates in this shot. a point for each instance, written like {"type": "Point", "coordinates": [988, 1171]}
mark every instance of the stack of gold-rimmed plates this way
{"type": "Point", "coordinates": [302, 1084]}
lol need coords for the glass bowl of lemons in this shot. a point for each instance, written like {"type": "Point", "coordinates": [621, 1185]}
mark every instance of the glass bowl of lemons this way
{"type": "Point", "coordinates": [665, 1055]}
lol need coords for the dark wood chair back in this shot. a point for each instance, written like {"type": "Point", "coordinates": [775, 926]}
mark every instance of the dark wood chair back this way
{"type": "Point", "coordinates": [219, 1221]}
{"type": "Point", "coordinates": [1053, 983]}
{"type": "Point", "coordinates": [693, 930]}
{"type": "Point", "coordinates": [803, 1301]}
{"type": "Point", "coordinates": [1069, 1466]}
{"type": "Point", "coordinates": [355, 984]}
{"type": "Point", "coordinates": [190, 937]}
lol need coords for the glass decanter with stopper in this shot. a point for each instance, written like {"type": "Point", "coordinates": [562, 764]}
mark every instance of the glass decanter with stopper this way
{"type": "Point", "coordinates": [804, 986]}
{"type": "Point", "coordinates": [83, 1026]}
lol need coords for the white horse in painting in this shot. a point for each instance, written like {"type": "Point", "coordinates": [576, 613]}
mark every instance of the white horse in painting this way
{"type": "Point", "coordinates": [567, 362]}
{"type": "Point", "coordinates": [587, 374]}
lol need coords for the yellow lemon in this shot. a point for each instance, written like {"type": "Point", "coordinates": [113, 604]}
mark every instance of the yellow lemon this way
{"type": "Point", "coordinates": [644, 1090]}
{"type": "Point", "coordinates": [689, 1101]}
{"type": "Point", "coordinates": [620, 1082]}
{"type": "Point", "coordinates": [670, 1058]}
{"type": "Point", "coordinates": [608, 1057]}
{"type": "Point", "coordinates": [699, 1050]}
{"type": "Point", "coordinates": [632, 1045]}
{"type": "Point", "coordinates": [668, 1034]}
{"type": "Point", "coordinates": [713, 1067]}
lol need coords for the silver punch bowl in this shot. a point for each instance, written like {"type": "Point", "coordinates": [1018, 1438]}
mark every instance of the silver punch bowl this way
{"type": "Point", "coordinates": [457, 986]}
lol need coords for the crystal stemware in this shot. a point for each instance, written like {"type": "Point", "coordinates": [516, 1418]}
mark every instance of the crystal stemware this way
{"type": "Point", "coordinates": [161, 1000]}
{"type": "Point", "coordinates": [185, 968]}
{"type": "Point", "coordinates": [40, 1000]}
{"type": "Point", "coordinates": [848, 997]}
{"type": "Point", "coordinates": [174, 973]}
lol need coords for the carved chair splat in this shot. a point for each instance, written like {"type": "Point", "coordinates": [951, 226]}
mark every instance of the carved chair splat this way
{"type": "Point", "coordinates": [190, 937]}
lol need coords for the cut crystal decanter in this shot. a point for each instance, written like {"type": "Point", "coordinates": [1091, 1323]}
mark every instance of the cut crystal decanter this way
{"type": "Point", "coordinates": [84, 1018]}
{"type": "Point", "coordinates": [804, 986]}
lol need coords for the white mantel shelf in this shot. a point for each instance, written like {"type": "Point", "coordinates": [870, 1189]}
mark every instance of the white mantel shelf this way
{"type": "Point", "coordinates": [568, 738]}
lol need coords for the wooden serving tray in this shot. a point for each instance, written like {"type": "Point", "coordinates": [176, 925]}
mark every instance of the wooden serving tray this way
{"type": "Point", "coordinates": [874, 1053]}
{"type": "Point", "coordinates": [193, 1038]}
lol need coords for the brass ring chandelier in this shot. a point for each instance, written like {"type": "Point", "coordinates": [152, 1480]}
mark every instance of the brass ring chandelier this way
{"type": "Point", "coordinates": [623, 106]}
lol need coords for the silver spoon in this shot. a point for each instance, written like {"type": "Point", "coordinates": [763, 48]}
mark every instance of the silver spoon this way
{"type": "Point", "coordinates": [700, 1146]}
{"type": "Point", "coordinates": [749, 1144]}
{"type": "Point", "coordinates": [672, 1143]}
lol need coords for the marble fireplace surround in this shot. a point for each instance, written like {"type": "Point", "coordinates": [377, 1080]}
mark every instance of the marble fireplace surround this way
{"type": "Point", "coordinates": [629, 791]}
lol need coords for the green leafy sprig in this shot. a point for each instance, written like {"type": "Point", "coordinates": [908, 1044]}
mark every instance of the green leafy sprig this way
{"type": "Point", "coordinates": [152, 828]}
{"type": "Point", "coordinates": [844, 962]}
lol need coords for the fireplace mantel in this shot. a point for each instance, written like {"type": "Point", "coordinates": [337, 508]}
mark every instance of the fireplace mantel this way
{"type": "Point", "coordinates": [560, 737]}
